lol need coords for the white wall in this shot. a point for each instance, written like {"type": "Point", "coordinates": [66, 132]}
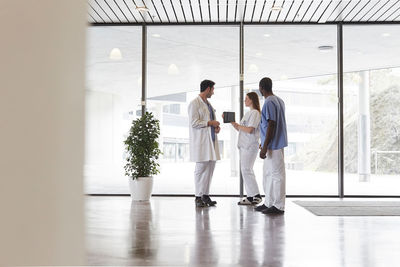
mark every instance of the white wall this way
{"type": "Point", "coordinates": [42, 52]}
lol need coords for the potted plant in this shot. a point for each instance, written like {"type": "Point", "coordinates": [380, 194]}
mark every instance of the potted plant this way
{"type": "Point", "coordinates": [143, 151]}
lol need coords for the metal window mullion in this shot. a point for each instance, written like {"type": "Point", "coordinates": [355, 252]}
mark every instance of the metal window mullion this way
{"type": "Point", "coordinates": [340, 110]}
{"type": "Point", "coordinates": [144, 67]}
{"type": "Point", "coordinates": [241, 88]}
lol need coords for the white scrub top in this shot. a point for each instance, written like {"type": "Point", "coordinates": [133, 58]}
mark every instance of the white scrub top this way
{"type": "Point", "coordinates": [252, 118]}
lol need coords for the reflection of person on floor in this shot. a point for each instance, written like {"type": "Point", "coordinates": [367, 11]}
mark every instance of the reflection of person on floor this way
{"type": "Point", "coordinates": [205, 252]}
{"type": "Point", "coordinates": [204, 150]}
{"type": "Point", "coordinates": [273, 140]}
{"type": "Point", "coordinates": [274, 234]}
{"type": "Point", "coordinates": [249, 134]}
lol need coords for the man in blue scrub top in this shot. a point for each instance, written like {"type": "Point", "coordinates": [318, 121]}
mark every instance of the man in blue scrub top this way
{"type": "Point", "coordinates": [273, 135]}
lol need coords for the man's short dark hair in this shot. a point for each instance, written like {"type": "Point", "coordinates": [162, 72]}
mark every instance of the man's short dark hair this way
{"type": "Point", "coordinates": [205, 84]}
{"type": "Point", "coordinates": [266, 84]}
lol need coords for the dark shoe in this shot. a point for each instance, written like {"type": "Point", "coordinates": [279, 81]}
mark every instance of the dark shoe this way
{"type": "Point", "coordinates": [199, 202]}
{"type": "Point", "coordinates": [261, 208]}
{"type": "Point", "coordinates": [273, 210]}
{"type": "Point", "coordinates": [256, 200]}
{"type": "Point", "coordinates": [206, 199]}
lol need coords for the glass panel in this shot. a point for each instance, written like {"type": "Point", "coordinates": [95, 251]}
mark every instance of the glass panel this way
{"type": "Point", "coordinates": [371, 114]}
{"type": "Point", "coordinates": [179, 58]}
{"type": "Point", "coordinates": [113, 93]}
{"type": "Point", "coordinates": [301, 61]}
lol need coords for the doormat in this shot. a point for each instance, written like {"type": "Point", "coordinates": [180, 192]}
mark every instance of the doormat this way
{"type": "Point", "coordinates": [351, 208]}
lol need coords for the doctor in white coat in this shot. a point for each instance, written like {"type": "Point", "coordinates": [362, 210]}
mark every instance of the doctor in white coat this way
{"type": "Point", "coordinates": [204, 150]}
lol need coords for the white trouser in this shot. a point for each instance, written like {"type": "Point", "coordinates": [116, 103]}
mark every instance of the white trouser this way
{"type": "Point", "coordinates": [274, 179]}
{"type": "Point", "coordinates": [203, 173]}
{"type": "Point", "coordinates": [247, 159]}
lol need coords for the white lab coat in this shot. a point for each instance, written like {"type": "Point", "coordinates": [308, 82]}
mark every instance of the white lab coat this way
{"type": "Point", "coordinates": [200, 140]}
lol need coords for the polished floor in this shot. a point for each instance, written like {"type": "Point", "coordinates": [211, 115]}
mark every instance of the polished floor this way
{"type": "Point", "coordinates": [170, 231]}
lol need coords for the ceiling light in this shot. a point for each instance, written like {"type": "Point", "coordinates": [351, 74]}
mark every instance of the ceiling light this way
{"type": "Point", "coordinates": [325, 48]}
{"type": "Point", "coordinates": [156, 35]}
{"type": "Point", "coordinates": [142, 8]}
{"type": "Point", "coordinates": [267, 35]}
{"type": "Point", "coordinates": [173, 69]}
{"type": "Point", "coordinates": [276, 8]}
{"type": "Point", "coordinates": [115, 54]}
{"type": "Point", "coordinates": [386, 34]}
{"type": "Point", "coordinates": [253, 68]}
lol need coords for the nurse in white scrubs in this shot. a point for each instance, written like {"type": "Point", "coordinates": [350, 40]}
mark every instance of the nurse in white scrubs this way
{"type": "Point", "coordinates": [248, 144]}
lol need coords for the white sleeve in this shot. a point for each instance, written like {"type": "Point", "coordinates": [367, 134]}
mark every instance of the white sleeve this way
{"type": "Point", "coordinates": [194, 116]}
{"type": "Point", "coordinates": [254, 119]}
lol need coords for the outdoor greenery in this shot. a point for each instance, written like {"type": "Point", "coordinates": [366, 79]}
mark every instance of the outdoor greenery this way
{"type": "Point", "coordinates": [142, 147]}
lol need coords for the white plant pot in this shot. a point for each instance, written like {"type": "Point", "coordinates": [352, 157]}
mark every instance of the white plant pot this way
{"type": "Point", "coordinates": [141, 188]}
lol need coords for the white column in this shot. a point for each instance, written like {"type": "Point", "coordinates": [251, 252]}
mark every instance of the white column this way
{"type": "Point", "coordinates": [364, 131]}
{"type": "Point", "coordinates": [42, 53]}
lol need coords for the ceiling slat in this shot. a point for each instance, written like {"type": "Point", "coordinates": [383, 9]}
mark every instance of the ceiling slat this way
{"type": "Point", "coordinates": [352, 11]}
{"type": "Point", "coordinates": [91, 19]}
{"type": "Point", "coordinates": [95, 13]}
{"type": "Point", "coordinates": [393, 14]}
{"type": "Point", "coordinates": [101, 10]}
{"type": "Point", "coordinates": [381, 10]}
{"type": "Point", "coordinates": [322, 11]}
{"type": "Point", "coordinates": [316, 11]}
{"type": "Point", "coordinates": [342, 10]}
{"type": "Point", "coordinates": [299, 12]}
{"type": "Point", "coordinates": [113, 10]}
{"type": "Point", "coordinates": [249, 10]}
{"type": "Point", "coordinates": [184, 13]}
{"type": "Point", "coordinates": [122, 11]}
{"type": "Point", "coordinates": [367, 10]}
{"type": "Point", "coordinates": [309, 12]}
{"type": "Point", "coordinates": [327, 12]}
{"type": "Point", "coordinates": [391, 8]}
{"type": "Point", "coordinates": [155, 11]}
{"type": "Point", "coordinates": [274, 14]}
{"type": "Point", "coordinates": [204, 10]}
{"type": "Point", "coordinates": [213, 10]}
{"type": "Point", "coordinates": [360, 10]}
{"type": "Point", "coordinates": [267, 9]}
{"type": "Point", "coordinates": [262, 11]}
{"type": "Point", "coordinates": [288, 12]}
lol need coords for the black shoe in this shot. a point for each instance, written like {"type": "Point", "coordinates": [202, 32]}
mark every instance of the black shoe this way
{"type": "Point", "coordinates": [206, 199]}
{"type": "Point", "coordinates": [199, 202]}
{"type": "Point", "coordinates": [261, 208]}
{"type": "Point", "coordinates": [273, 210]}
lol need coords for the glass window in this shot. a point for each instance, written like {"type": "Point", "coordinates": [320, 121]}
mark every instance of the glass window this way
{"type": "Point", "coordinates": [371, 113]}
{"type": "Point", "coordinates": [179, 58]}
{"type": "Point", "coordinates": [301, 61]}
{"type": "Point", "coordinates": [113, 93]}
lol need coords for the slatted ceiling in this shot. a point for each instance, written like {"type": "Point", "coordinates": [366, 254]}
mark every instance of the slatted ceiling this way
{"type": "Point", "coordinates": [384, 14]}
{"type": "Point", "coordinates": [375, 10]}
{"type": "Point", "coordinates": [366, 10]}
{"type": "Point", "coordinates": [274, 14]}
{"type": "Point", "coordinates": [341, 11]}
{"type": "Point", "coordinates": [314, 14]}
{"type": "Point", "coordinates": [393, 13]}
{"type": "Point", "coordinates": [183, 12]}
{"type": "Point", "coordinates": [93, 12]}
{"type": "Point", "coordinates": [231, 10]}
{"type": "Point", "coordinates": [249, 11]}
{"type": "Point", "coordinates": [286, 12]}
{"type": "Point", "coordinates": [382, 10]}
{"type": "Point", "coordinates": [213, 10]}
{"type": "Point", "coordinates": [257, 10]}
{"type": "Point", "coordinates": [309, 11]}
{"type": "Point", "coordinates": [293, 14]}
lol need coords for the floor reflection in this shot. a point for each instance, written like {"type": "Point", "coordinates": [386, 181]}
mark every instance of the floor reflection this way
{"type": "Point", "coordinates": [204, 251]}
{"type": "Point", "coordinates": [141, 220]}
